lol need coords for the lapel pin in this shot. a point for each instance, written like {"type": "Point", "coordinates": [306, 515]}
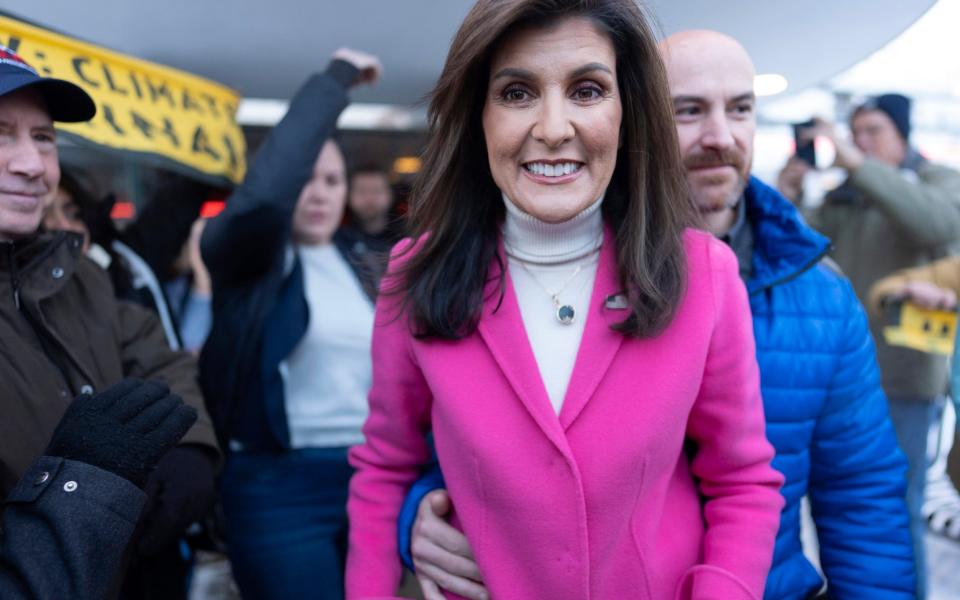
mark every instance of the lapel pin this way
{"type": "Point", "coordinates": [616, 302]}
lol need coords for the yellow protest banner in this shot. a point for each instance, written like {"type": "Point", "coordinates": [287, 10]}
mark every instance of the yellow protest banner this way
{"type": "Point", "coordinates": [142, 107]}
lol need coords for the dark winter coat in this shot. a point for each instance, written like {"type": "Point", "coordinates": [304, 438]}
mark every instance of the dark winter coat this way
{"type": "Point", "coordinates": [62, 333]}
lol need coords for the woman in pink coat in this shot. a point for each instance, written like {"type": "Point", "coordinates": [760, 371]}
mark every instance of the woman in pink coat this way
{"type": "Point", "coordinates": [584, 359]}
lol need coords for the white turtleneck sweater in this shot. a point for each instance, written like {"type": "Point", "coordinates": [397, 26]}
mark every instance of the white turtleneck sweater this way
{"type": "Point", "coordinates": [327, 376]}
{"type": "Point", "coordinates": [543, 257]}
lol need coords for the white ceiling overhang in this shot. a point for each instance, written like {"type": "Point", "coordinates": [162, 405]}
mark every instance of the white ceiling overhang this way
{"type": "Point", "coordinates": [265, 49]}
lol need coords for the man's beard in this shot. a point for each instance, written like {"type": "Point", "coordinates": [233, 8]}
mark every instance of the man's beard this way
{"type": "Point", "coordinates": [711, 200]}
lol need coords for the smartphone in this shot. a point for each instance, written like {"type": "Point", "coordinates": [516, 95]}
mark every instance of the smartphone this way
{"type": "Point", "coordinates": [805, 149]}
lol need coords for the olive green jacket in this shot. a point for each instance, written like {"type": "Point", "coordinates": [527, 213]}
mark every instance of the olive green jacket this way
{"type": "Point", "coordinates": [883, 220]}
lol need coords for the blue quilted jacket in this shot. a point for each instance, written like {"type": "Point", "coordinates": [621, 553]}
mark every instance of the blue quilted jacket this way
{"type": "Point", "coordinates": [826, 417]}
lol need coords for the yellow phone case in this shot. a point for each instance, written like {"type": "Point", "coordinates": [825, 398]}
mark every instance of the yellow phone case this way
{"type": "Point", "coordinates": [931, 331]}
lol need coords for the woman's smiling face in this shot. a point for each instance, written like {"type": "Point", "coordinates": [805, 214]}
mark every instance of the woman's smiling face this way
{"type": "Point", "coordinates": [551, 118]}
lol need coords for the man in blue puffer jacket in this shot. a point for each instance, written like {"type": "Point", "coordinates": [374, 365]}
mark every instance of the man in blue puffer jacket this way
{"type": "Point", "coordinates": [826, 413]}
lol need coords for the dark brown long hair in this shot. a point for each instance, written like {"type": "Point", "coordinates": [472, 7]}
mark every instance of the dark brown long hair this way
{"type": "Point", "coordinates": [456, 209]}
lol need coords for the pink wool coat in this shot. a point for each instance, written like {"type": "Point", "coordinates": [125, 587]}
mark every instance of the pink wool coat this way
{"type": "Point", "coordinates": [654, 481]}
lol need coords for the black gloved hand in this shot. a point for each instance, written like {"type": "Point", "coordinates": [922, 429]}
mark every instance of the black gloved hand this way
{"type": "Point", "coordinates": [125, 430]}
{"type": "Point", "coordinates": [180, 492]}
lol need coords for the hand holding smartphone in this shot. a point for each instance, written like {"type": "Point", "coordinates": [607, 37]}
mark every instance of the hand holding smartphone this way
{"type": "Point", "coordinates": [804, 143]}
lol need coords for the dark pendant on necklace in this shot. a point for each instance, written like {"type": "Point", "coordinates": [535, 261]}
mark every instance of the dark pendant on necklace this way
{"type": "Point", "coordinates": [565, 314]}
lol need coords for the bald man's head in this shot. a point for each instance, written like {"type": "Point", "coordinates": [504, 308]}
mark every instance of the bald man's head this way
{"type": "Point", "coordinates": [704, 46]}
{"type": "Point", "coordinates": [711, 82]}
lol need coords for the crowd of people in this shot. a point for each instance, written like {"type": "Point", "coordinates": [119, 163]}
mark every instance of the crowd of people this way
{"type": "Point", "coordinates": [597, 359]}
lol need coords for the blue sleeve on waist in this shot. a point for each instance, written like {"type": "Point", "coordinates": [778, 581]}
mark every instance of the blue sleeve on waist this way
{"type": "Point", "coordinates": [431, 480]}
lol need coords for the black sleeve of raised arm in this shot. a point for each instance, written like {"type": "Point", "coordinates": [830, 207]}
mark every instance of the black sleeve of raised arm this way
{"type": "Point", "coordinates": [243, 240]}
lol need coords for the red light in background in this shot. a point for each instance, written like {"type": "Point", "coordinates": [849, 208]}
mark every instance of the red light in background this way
{"type": "Point", "coordinates": [211, 208]}
{"type": "Point", "coordinates": [123, 210]}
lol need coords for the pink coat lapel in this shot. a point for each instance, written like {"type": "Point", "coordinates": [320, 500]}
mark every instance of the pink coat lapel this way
{"type": "Point", "coordinates": [501, 327]}
{"type": "Point", "coordinates": [600, 343]}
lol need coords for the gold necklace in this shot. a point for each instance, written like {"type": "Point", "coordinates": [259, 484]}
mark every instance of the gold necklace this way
{"type": "Point", "coordinates": [564, 312]}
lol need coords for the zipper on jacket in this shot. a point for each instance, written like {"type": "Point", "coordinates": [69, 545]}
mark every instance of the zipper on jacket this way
{"type": "Point", "coordinates": [38, 330]}
{"type": "Point", "coordinates": [792, 276]}
{"type": "Point", "coordinates": [14, 275]}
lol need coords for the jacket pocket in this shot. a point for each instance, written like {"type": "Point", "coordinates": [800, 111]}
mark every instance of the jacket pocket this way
{"type": "Point", "coordinates": [708, 582]}
{"type": "Point", "coordinates": [477, 542]}
{"type": "Point", "coordinates": [637, 538]}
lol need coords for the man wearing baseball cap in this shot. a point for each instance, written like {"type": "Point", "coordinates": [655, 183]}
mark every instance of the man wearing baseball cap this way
{"type": "Point", "coordinates": [895, 210]}
{"type": "Point", "coordinates": [30, 169]}
{"type": "Point", "coordinates": [65, 101]}
{"type": "Point", "coordinates": [63, 333]}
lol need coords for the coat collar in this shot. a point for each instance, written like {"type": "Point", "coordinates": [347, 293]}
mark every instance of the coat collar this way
{"type": "Point", "coordinates": [501, 328]}
{"type": "Point", "coordinates": [43, 264]}
{"type": "Point", "coordinates": [784, 246]}
{"type": "Point", "coordinates": [600, 343]}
